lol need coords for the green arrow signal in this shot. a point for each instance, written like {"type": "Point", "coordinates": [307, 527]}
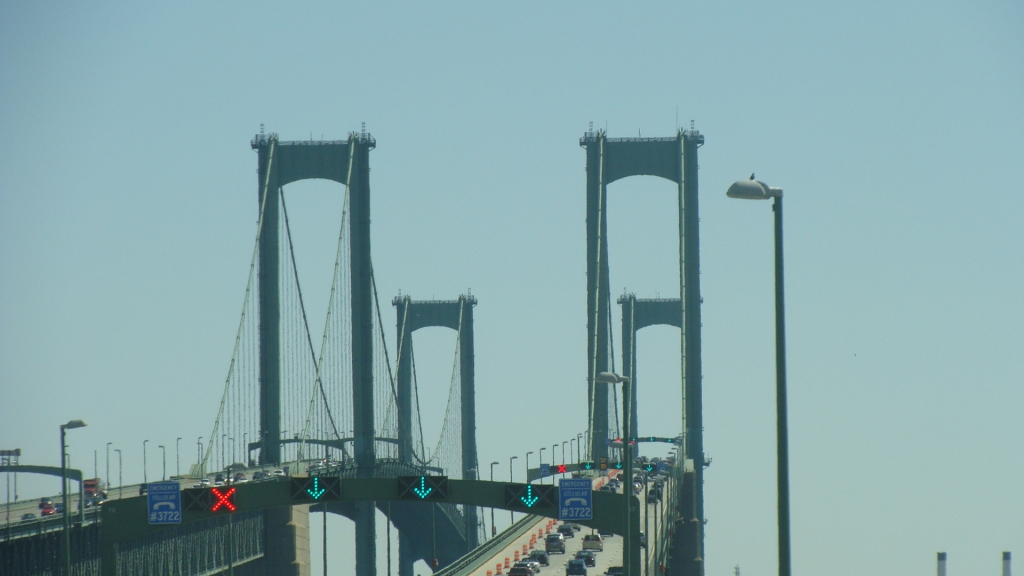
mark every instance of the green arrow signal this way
{"type": "Point", "coordinates": [423, 491]}
{"type": "Point", "coordinates": [316, 492]}
{"type": "Point", "coordinates": [529, 499]}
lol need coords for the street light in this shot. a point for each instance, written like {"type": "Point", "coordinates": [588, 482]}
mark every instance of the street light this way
{"type": "Point", "coordinates": [145, 478]}
{"type": "Point", "coordinates": [541, 465]}
{"type": "Point", "coordinates": [579, 447]}
{"type": "Point", "coordinates": [757, 190]}
{"type": "Point", "coordinates": [528, 466]}
{"type": "Point", "coordinates": [199, 446]}
{"type": "Point", "coordinates": [177, 456]}
{"type": "Point", "coordinates": [163, 452]}
{"type": "Point", "coordinates": [107, 479]}
{"type": "Point", "coordinates": [64, 491]}
{"type": "Point", "coordinates": [494, 531]}
{"type": "Point", "coordinates": [627, 433]}
{"type": "Point", "coordinates": [120, 482]}
{"type": "Point", "coordinates": [511, 514]}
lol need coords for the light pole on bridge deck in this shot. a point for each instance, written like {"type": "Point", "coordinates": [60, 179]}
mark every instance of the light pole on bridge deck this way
{"type": "Point", "coordinates": [756, 190]}
{"type": "Point", "coordinates": [199, 447]}
{"type": "Point", "coordinates": [553, 462]}
{"type": "Point", "coordinates": [107, 479]}
{"type": "Point", "coordinates": [64, 492]}
{"type": "Point", "coordinates": [177, 456]}
{"type": "Point", "coordinates": [245, 444]}
{"type": "Point", "coordinates": [564, 461]}
{"type": "Point", "coordinates": [145, 478]}
{"type": "Point", "coordinates": [579, 448]}
{"type": "Point", "coordinates": [511, 514]}
{"type": "Point", "coordinates": [541, 464]}
{"type": "Point", "coordinates": [163, 452]}
{"type": "Point", "coordinates": [119, 481]}
{"type": "Point", "coordinates": [528, 467]}
{"type": "Point", "coordinates": [494, 531]}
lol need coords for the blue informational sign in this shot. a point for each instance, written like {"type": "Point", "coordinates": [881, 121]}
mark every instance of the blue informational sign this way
{"type": "Point", "coordinates": [545, 470]}
{"type": "Point", "coordinates": [164, 502]}
{"type": "Point", "coordinates": [575, 499]}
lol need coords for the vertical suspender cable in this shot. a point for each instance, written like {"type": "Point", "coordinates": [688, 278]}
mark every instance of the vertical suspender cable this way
{"type": "Point", "coordinates": [330, 304]}
{"type": "Point", "coordinates": [597, 287]}
{"type": "Point", "coordinates": [245, 303]}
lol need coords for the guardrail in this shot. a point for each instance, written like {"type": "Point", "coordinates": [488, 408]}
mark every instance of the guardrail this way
{"type": "Point", "coordinates": [42, 525]}
{"type": "Point", "coordinates": [485, 551]}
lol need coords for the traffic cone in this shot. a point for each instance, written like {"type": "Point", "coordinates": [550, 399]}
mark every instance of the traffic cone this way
{"type": "Point", "coordinates": [524, 549]}
{"type": "Point", "coordinates": [515, 556]}
{"type": "Point", "coordinates": [507, 563]}
{"type": "Point", "coordinates": [498, 569]}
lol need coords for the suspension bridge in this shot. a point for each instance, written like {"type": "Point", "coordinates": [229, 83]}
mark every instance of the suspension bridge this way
{"type": "Point", "coordinates": [341, 405]}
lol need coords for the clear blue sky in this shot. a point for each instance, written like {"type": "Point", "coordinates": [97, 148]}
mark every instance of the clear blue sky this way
{"type": "Point", "coordinates": [127, 215]}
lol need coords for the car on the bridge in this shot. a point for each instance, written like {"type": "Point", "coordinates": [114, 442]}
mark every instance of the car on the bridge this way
{"type": "Point", "coordinates": [28, 517]}
{"type": "Point", "coordinates": [575, 568]}
{"type": "Point", "coordinates": [45, 500]}
{"type": "Point", "coordinates": [593, 542]}
{"type": "Point", "coordinates": [540, 556]}
{"type": "Point", "coordinates": [554, 543]}
{"type": "Point", "coordinates": [614, 571]}
{"type": "Point", "coordinates": [48, 510]}
{"type": "Point", "coordinates": [588, 556]}
{"type": "Point", "coordinates": [280, 472]}
{"type": "Point", "coordinates": [566, 531]}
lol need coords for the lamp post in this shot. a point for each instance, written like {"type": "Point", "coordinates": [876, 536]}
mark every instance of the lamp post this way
{"type": "Point", "coordinates": [64, 491]}
{"type": "Point", "coordinates": [528, 467]}
{"type": "Point", "coordinates": [163, 452]}
{"type": "Point", "coordinates": [757, 190]}
{"type": "Point", "coordinates": [199, 461]}
{"type": "Point", "coordinates": [145, 478]}
{"type": "Point", "coordinates": [629, 563]}
{"type": "Point", "coordinates": [245, 444]}
{"type": "Point", "coordinates": [579, 447]}
{"type": "Point", "coordinates": [541, 464]}
{"type": "Point", "coordinates": [494, 531]}
{"type": "Point", "coordinates": [107, 479]}
{"type": "Point", "coordinates": [177, 456]}
{"type": "Point", "coordinates": [564, 461]}
{"type": "Point", "coordinates": [511, 514]}
{"type": "Point", "coordinates": [119, 481]}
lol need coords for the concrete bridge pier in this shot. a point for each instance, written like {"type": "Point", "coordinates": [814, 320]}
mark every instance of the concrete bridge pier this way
{"type": "Point", "coordinates": [406, 555]}
{"type": "Point", "coordinates": [286, 550]}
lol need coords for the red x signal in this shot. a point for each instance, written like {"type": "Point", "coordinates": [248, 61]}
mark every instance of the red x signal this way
{"type": "Point", "coordinates": [561, 468]}
{"type": "Point", "coordinates": [225, 500]}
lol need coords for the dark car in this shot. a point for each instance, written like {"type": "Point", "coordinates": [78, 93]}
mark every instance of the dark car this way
{"type": "Point", "coordinates": [614, 571]}
{"type": "Point", "coordinates": [45, 500]}
{"type": "Point", "coordinates": [588, 556]}
{"type": "Point", "coordinates": [653, 497]}
{"type": "Point", "coordinates": [142, 489]}
{"type": "Point", "coordinates": [566, 530]}
{"type": "Point", "coordinates": [520, 571]}
{"type": "Point", "coordinates": [575, 568]}
{"type": "Point", "coordinates": [27, 516]}
{"type": "Point", "coordinates": [540, 556]}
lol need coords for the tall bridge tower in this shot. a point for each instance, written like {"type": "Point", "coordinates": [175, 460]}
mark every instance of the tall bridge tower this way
{"type": "Point", "coordinates": [346, 162]}
{"type": "Point", "coordinates": [675, 159]}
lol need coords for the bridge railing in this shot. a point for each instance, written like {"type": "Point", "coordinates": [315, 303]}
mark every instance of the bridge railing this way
{"type": "Point", "coordinates": [482, 553]}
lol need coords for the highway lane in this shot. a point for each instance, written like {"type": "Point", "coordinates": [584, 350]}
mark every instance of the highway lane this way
{"type": "Point", "coordinates": [609, 557]}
